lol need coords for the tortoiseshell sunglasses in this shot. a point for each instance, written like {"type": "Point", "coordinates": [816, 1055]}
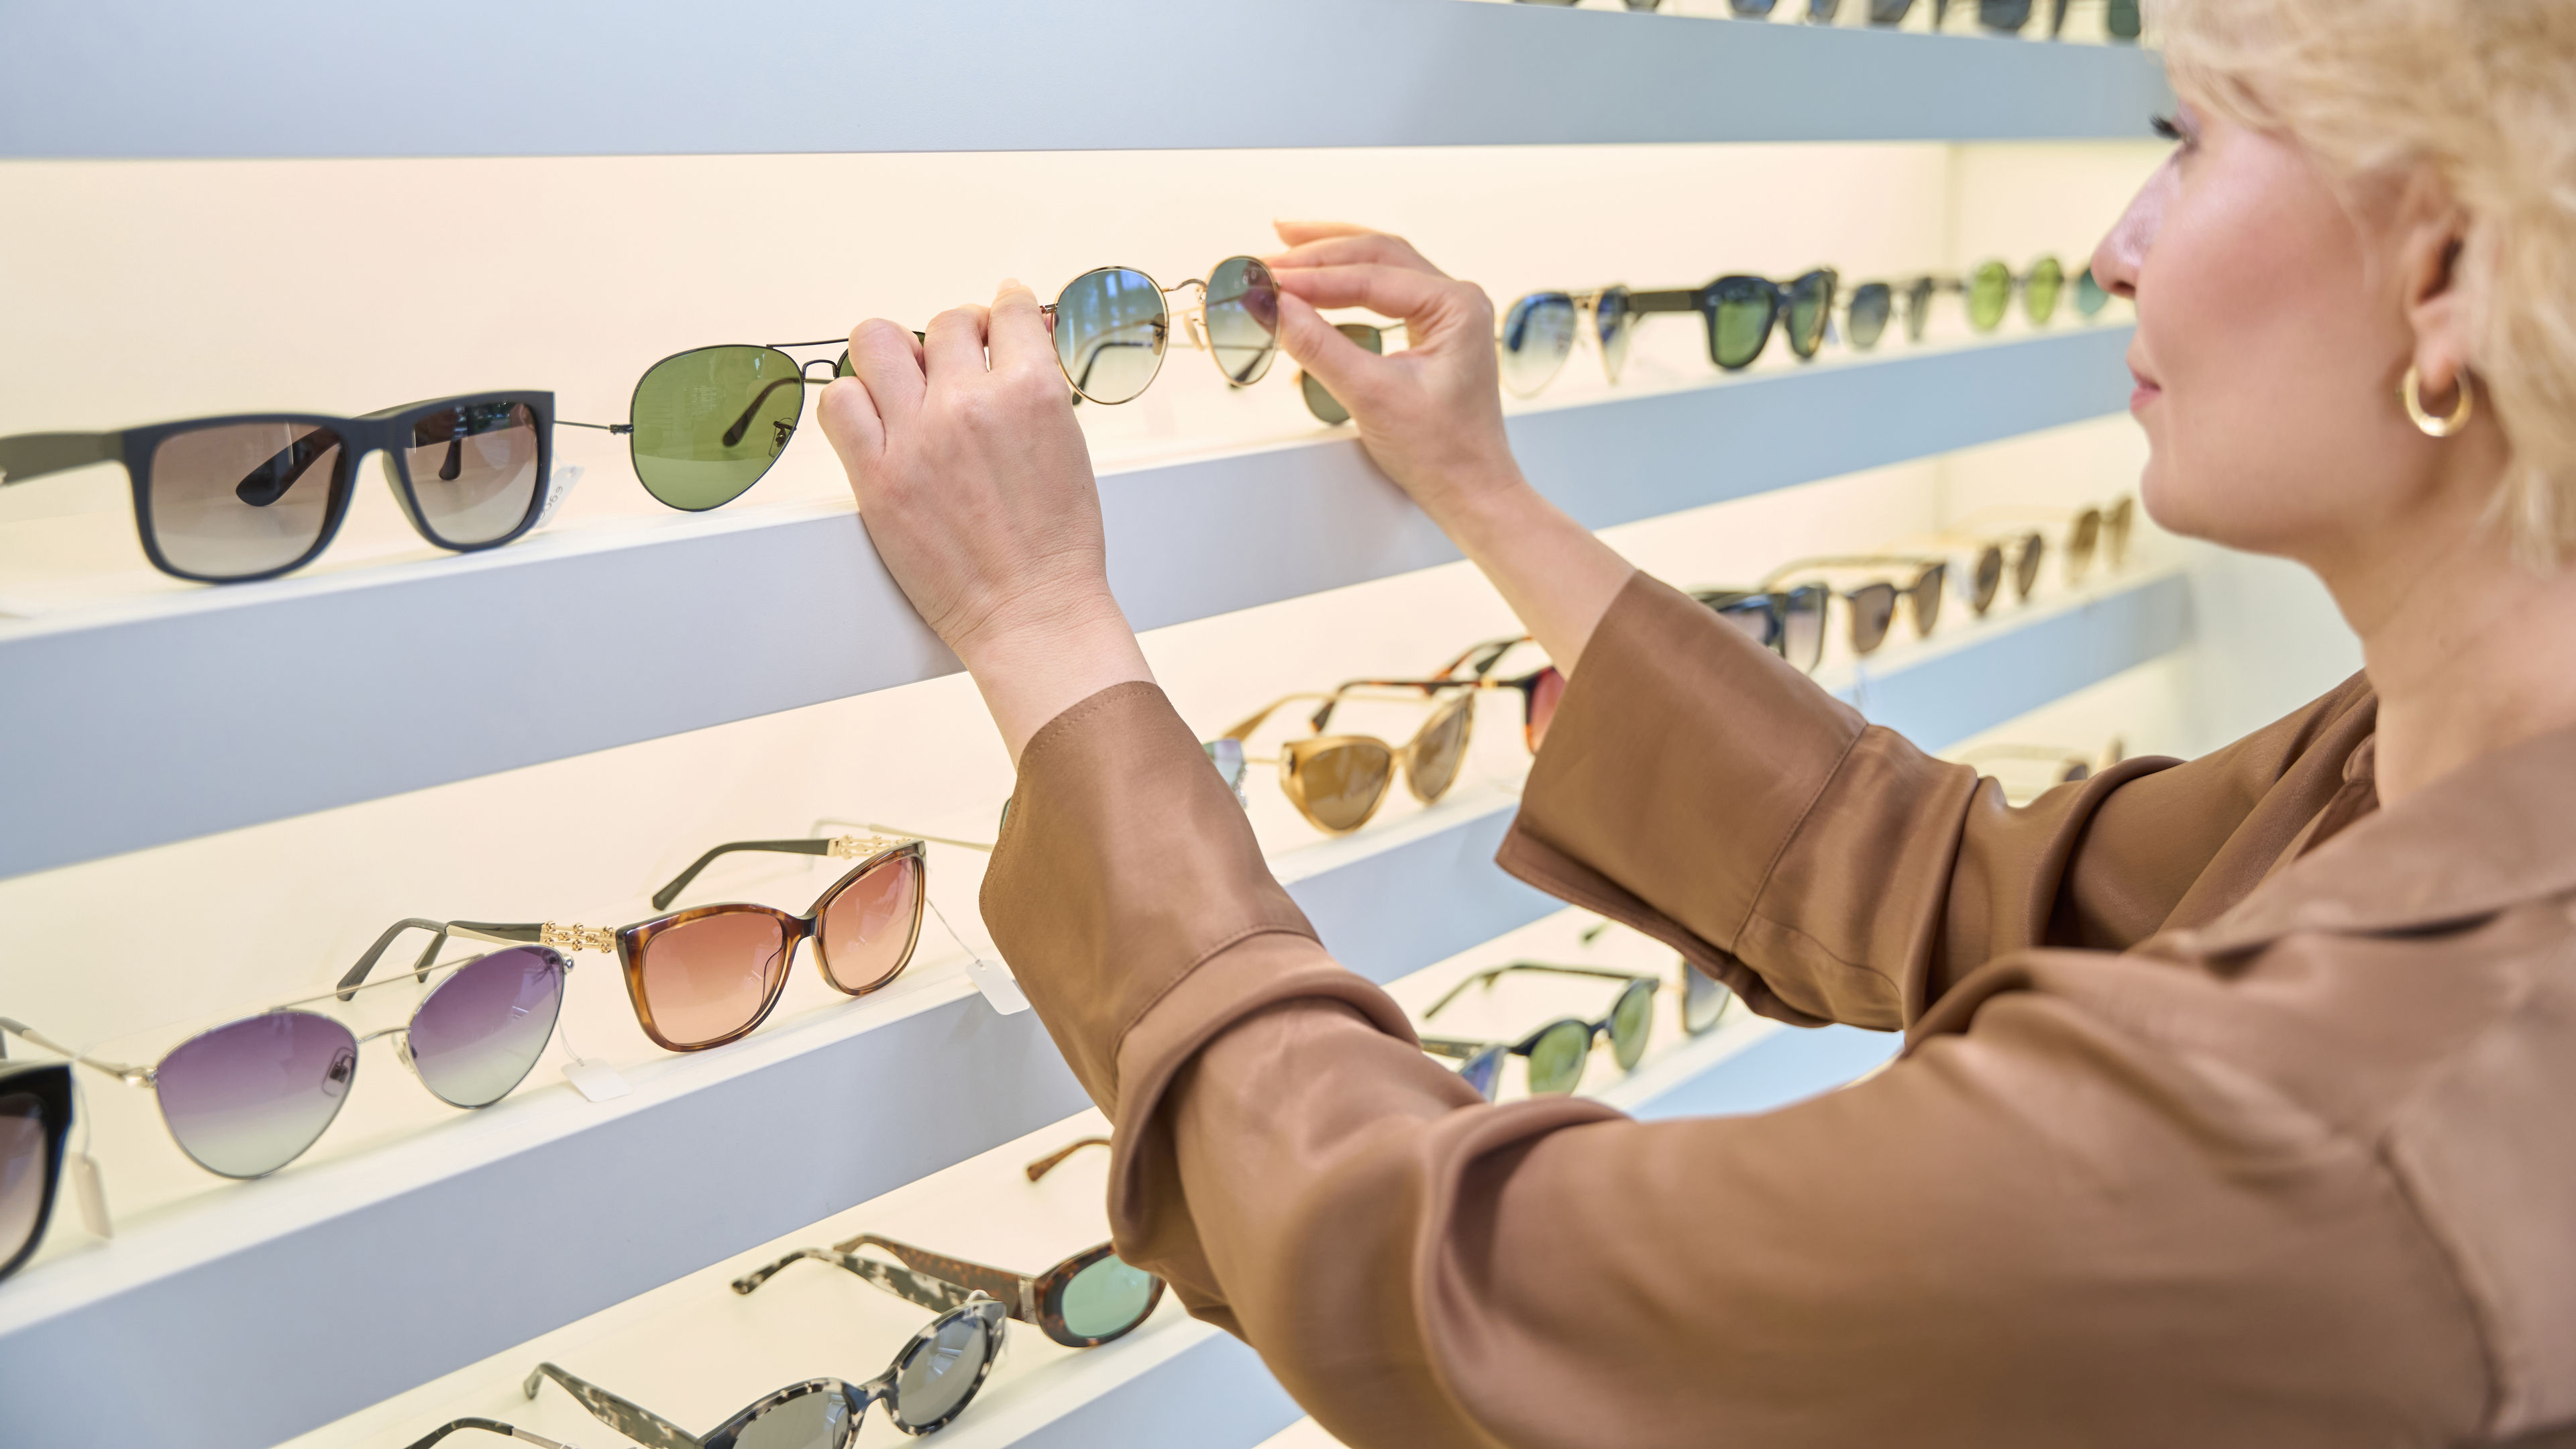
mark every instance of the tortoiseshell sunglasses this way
{"type": "Point", "coordinates": [1539, 690]}
{"type": "Point", "coordinates": [708, 975]}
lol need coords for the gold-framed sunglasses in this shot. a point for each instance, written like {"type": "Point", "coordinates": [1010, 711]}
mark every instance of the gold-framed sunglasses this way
{"type": "Point", "coordinates": [1338, 781]}
{"type": "Point", "coordinates": [1113, 324]}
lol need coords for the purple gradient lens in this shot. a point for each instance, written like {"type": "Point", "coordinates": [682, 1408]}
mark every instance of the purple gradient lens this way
{"type": "Point", "coordinates": [245, 1100]}
{"type": "Point", "coordinates": [23, 1163]}
{"type": "Point", "coordinates": [480, 1031]}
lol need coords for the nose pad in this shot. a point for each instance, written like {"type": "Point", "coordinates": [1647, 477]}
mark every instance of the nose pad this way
{"type": "Point", "coordinates": [402, 1049]}
{"type": "Point", "coordinates": [336, 1078]}
{"type": "Point", "coordinates": [784, 431]}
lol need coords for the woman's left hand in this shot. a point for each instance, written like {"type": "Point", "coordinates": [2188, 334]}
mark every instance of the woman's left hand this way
{"type": "Point", "coordinates": [974, 482]}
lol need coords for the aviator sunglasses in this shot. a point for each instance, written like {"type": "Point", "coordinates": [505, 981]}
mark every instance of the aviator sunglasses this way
{"type": "Point", "coordinates": [706, 424]}
{"type": "Point", "coordinates": [226, 500]}
{"type": "Point", "coordinates": [1539, 331]}
{"type": "Point", "coordinates": [708, 975]}
{"type": "Point", "coordinates": [929, 1383]}
{"type": "Point", "coordinates": [248, 1097]}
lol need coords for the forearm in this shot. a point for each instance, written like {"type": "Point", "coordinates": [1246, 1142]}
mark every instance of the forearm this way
{"type": "Point", "coordinates": [1558, 578]}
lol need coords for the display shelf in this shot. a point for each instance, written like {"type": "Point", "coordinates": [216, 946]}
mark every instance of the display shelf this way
{"type": "Point", "coordinates": [552, 1207]}
{"type": "Point", "coordinates": [129, 79]}
{"type": "Point", "coordinates": [178, 714]}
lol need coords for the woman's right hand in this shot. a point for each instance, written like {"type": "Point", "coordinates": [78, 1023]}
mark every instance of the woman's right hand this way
{"type": "Point", "coordinates": [1431, 415]}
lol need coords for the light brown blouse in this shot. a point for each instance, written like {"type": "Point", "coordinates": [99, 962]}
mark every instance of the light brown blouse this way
{"type": "Point", "coordinates": [2234, 1110]}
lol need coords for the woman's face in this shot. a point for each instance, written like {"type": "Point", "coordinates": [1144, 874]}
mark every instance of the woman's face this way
{"type": "Point", "coordinates": [2272, 333]}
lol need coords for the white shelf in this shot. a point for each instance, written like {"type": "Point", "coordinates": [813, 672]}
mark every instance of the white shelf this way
{"type": "Point", "coordinates": [127, 78]}
{"type": "Point", "coordinates": [182, 713]}
{"type": "Point", "coordinates": [548, 1207]}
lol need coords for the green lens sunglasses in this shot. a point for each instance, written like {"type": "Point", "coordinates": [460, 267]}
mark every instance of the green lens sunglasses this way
{"type": "Point", "coordinates": [708, 423]}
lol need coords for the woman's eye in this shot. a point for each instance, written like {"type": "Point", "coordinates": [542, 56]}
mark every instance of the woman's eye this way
{"type": "Point", "coordinates": [2166, 127]}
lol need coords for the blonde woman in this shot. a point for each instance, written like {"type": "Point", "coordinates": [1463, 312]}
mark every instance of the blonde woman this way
{"type": "Point", "coordinates": [2238, 1104]}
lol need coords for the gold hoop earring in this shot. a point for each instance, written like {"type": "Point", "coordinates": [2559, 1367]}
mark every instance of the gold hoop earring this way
{"type": "Point", "coordinates": [2411, 393]}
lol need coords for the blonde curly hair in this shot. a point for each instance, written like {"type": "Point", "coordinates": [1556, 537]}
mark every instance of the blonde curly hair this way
{"type": "Point", "coordinates": [2481, 92]}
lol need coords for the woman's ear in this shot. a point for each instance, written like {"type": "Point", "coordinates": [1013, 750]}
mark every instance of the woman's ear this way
{"type": "Point", "coordinates": [2432, 240]}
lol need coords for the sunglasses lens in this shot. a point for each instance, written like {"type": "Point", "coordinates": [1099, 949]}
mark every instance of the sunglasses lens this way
{"type": "Point", "coordinates": [1873, 609]}
{"type": "Point", "coordinates": [1918, 308]}
{"type": "Point", "coordinates": [709, 423]}
{"type": "Point", "coordinates": [2034, 552]}
{"type": "Point", "coordinates": [1538, 335]}
{"type": "Point", "coordinates": [1242, 316]}
{"type": "Point", "coordinates": [942, 1371]}
{"type": "Point", "coordinates": [1889, 12]}
{"type": "Point", "coordinates": [1614, 328]}
{"type": "Point", "coordinates": [1110, 330]}
{"type": "Point", "coordinates": [1326, 408]}
{"type": "Point", "coordinates": [474, 470]}
{"type": "Point", "coordinates": [1556, 1059]}
{"type": "Point", "coordinates": [1811, 305]}
{"type": "Point", "coordinates": [477, 1035]}
{"type": "Point", "coordinates": [1545, 692]}
{"type": "Point", "coordinates": [2090, 298]}
{"type": "Point", "coordinates": [1989, 578]}
{"type": "Point", "coordinates": [704, 980]}
{"type": "Point", "coordinates": [842, 367]}
{"type": "Point", "coordinates": [2004, 14]}
{"type": "Point", "coordinates": [24, 1165]}
{"type": "Point", "coordinates": [2039, 291]}
{"type": "Point", "coordinates": [1802, 627]}
{"type": "Point", "coordinates": [2124, 21]}
{"type": "Point", "coordinates": [1925, 597]}
{"type": "Point", "coordinates": [1704, 1000]}
{"type": "Point", "coordinates": [1106, 1299]}
{"type": "Point", "coordinates": [1441, 748]}
{"type": "Point", "coordinates": [819, 1419]}
{"type": "Point", "coordinates": [248, 1098]}
{"type": "Point", "coordinates": [243, 499]}
{"type": "Point", "coordinates": [2080, 541]}
{"type": "Point", "coordinates": [1751, 617]}
{"type": "Point", "coordinates": [1632, 1020]}
{"type": "Point", "coordinates": [1484, 1071]}
{"type": "Point", "coordinates": [1872, 304]}
{"type": "Point", "coordinates": [1740, 323]}
{"type": "Point", "coordinates": [2115, 532]}
{"type": "Point", "coordinates": [1342, 784]}
{"type": "Point", "coordinates": [869, 926]}
{"type": "Point", "coordinates": [1751, 7]}
{"type": "Point", "coordinates": [1989, 292]}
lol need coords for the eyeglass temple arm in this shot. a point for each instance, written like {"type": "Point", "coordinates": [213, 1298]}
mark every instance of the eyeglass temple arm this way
{"type": "Point", "coordinates": [29, 456]}
{"type": "Point", "coordinates": [936, 1294]}
{"type": "Point", "coordinates": [1244, 730]}
{"type": "Point", "coordinates": [134, 1075]}
{"type": "Point", "coordinates": [662, 898]}
{"type": "Point", "coordinates": [1055, 1159]}
{"type": "Point", "coordinates": [1487, 976]}
{"type": "Point", "coordinates": [286, 467]}
{"type": "Point", "coordinates": [741, 425]}
{"type": "Point", "coordinates": [488, 1426]}
{"type": "Point", "coordinates": [1324, 715]}
{"type": "Point", "coordinates": [495, 932]}
{"type": "Point", "coordinates": [630, 1419]}
{"type": "Point", "coordinates": [985, 846]}
{"type": "Point", "coordinates": [621, 429]}
{"type": "Point", "coordinates": [1455, 1048]}
{"type": "Point", "coordinates": [1847, 561]}
{"type": "Point", "coordinates": [1685, 300]}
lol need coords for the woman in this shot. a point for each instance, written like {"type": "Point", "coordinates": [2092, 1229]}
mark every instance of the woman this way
{"type": "Point", "coordinates": [2235, 1102]}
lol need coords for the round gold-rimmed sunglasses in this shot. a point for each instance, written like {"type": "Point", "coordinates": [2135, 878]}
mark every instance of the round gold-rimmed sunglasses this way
{"type": "Point", "coordinates": [1113, 325]}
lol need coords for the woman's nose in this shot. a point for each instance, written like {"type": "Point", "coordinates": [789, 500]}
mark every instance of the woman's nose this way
{"type": "Point", "coordinates": [2124, 248]}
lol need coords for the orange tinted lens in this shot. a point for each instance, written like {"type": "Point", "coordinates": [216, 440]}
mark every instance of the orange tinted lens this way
{"type": "Point", "coordinates": [1544, 692]}
{"type": "Point", "coordinates": [707, 979]}
{"type": "Point", "coordinates": [868, 927]}
{"type": "Point", "coordinates": [1342, 784]}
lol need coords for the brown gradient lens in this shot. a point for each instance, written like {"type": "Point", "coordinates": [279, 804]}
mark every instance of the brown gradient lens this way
{"type": "Point", "coordinates": [1544, 692]}
{"type": "Point", "coordinates": [473, 470]}
{"type": "Point", "coordinates": [2034, 552]}
{"type": "Point", "coordinates": [1341, 783]}
{"type": "Point", "coordinates": [1802, 626]}
{"type": "Point", "coordinates": [2080, 541]}
{"type": "Point", "coordinates": [1873, 609]}
{"type": "Point", "coordinates": [243, 499]}
{"type": "Point", "coordinates": [1925, 597]}
{"type": "Point", "coordinates": [708, 978]}
{"type": "Point", "coordinates": [1988, 579]}
{"type": "Point", "coordinates": [1440, 749]}
{"type": "Point", "coordinates": [869, 925]}
{"type": "Point", "coordinates": [2115, 532]}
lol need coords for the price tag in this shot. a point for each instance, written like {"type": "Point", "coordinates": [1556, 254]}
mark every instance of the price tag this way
{"type": "Point", "coordinates": [1001, 989]}
{"type": "Point", "coordinates": [596, 1080]}
{"type": "Point", "coordinates": [91, 1189]}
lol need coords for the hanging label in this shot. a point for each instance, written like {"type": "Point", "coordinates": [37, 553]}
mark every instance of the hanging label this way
{"type": "Point", "coordinates": [596, 1080]}
{"type": "Point", "coordinates": [91, 1189]}
{"type": "Point", "coordinates": [1001, 989]}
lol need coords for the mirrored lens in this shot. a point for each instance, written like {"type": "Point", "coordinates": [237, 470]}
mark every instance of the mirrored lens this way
{"type": "Point", "coordinates": [248, 1098]}
{"type": "Point", "coordinates": [1872, 304]}
{"type": "Point", "coordinates": [2090, 298]}
{"type": "Point", "coordinates": [1802, 626]}
{"type": "Point", "coordinates": [474, 470]}
{"type": "Point", "coordinates": [1106, 1299]}
{"type": "Point", "coordinates": [1321, 402]}
{"type": "Point", "coordinates": [2115, 532]}
{"type": "Point", "coordinates": [243, 499]}
{"type": "Point", "coordinates": [709, 423]}
{"type": "Point", "coordinates": [479, 1032]}
{"type": "Point", "coordinates": [1544, 692]}
{"type": "Point", "coordinates": [1342, 784]}
{"type": "Point", "coordinates": [1873, 609]}
{"type": "Point", "coordinates": [2026, 562]}
{"type": "Point", "coordinates": [816, 1419]}
{"type": "Point", "coordinates": [1614, 327]}
{"type": "Point", "coordinates": [1242, 319]}
{"type": "Point", "coordinates": [1537, 337]}
{"type": "Point", "coordinates": [1440, 748]}
{"type": "Point", "coordinates": [1704, 1000]}
{"type": "Point", "coordinates": [942, 1371]}
{"type": "Point", "coordinates": [26, 1160]}
{"type": "Point", "coordinates": [1811, 304]}
{"type": "Point", "coordinates": [2039, 290]}
{"type": "Point", "coordinates": [869, 926]}
{"type": "Point", "coordinates": [708, 978]}
{"type": "Point", "coordinates": [1556, 1058]}
{"type": "Point", "coordinates": [1989, 292]}
{"type": "Point", "coordinates": [1988, 580]}
{"type": "Point", "coordinates": [1740, 322]}
{"type": "Point", "coordinates": [1632, 1020]}
{"type": "Point", "coordinates": [1110, 331]}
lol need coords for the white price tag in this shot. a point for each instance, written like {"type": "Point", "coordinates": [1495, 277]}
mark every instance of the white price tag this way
{"type": "Point", "coordinates": [1001, 989]}
{"type": "Point", "coordinates": [91, 1189]}
{"type": "Point", "coordinates": [596, 1080]}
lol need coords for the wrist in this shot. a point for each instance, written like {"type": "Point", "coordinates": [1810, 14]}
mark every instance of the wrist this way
{"type": "Point", "coordinates": [1033, 668]}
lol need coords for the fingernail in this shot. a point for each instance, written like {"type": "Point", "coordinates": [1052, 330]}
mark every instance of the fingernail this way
{"type": "Point", "coordinates": [1008, 283]}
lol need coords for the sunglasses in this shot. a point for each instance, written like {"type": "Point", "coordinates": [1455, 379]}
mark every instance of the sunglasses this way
{"type": "Point", "coordinates": [2122, 19]}
{"type": "Point", "coordinates": [1704, 997]}
{"type": "Point", "coordinates": [1788, 622]}
{"type": "Point", "coordinates": [2094, 531]}
{"type": "Point", "coordinates": [1113, 324]}
{"type": "Point", "coordinates": [1540, 690]}
{"type": "Point", "coordinates": [1319, 399]}
{"type": "Point", "coordinates": [1873, 605]}
{"type": "Point", "coordinates": [227, 500]}
{"type": "Point", "coordinates": [1557, 1051]}
{"type": "Point", "coordinates": [1818, 11]}
{"type": "Point", "coordinates": [927, 1386]}
{"type": "Point", "coordinates": [1538, 334]}
{"type": "Point", "coordinates": [488, 1426]}
{"type": "Point", "coordinates": [708, 975]}
{"type": "Point", "coordinates": [2014, 556]}
{"type": "Point", "coordinates": [706, 424]}
{"type": "Point", "coordinates": [248, 1097]}
{"type": "Point", "coordinates": [35, 1122]}
{"type": "Point", "coordinates": [1087, 1300]}
{"type": "Point", "coordinates": [1338, 781]}
{"type": "Point", "coordinates": [1741, 312]}
{"type": "Point", "coordinates": [1990, 286]}
{"type": "Point", "coordinates": [2091, 297]}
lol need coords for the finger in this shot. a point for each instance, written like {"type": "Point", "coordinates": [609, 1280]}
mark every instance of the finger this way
{"type": "Point", "coordinates": [1347, 370]}
{"type": "Point", "coordinates": [1298, 233]}
{"type": "Point", "coordinates": [955, 344]}
{"type": "Point", "coordinates": [850, 420]}
{"type": "Point", "coordinates": [1387, 291]}
{"type": "Point", "coordinates": [887, 362]}
{"type": "Point", "coordinates": [1019, 338]}
{"type": "Point", "coordinates": [1356, 247]}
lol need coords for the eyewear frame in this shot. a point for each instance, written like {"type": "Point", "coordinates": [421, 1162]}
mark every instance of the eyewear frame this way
{"type": "Point", "coordinates": [1252, 272]}
{"type": "Point", "coordinates": [1773, 618]}
{"type": "Point", "coordinates": [488, 1426]}
{"type": "Point", "coordinates": [1554, 321]}
{"type": "Point", "coordinates": [1779, 301]}
{"type": "Point", "coordinates": [1368, 336]}
{"type": "Point", "coordinates": [1634, 1004]}
{"type": "Point", "coordinates": [644, 401]}
{"type": "Point", "coordinates": [1319, 766]}
{"type": "Point", "coordinates": [1540, 690]}
{"type": "Point", "coordinates": [941, 1283]}
{"type": "Point", "coordinates": [48, 1088]}
{"type": "Point", "coordinates": [1873, 605]}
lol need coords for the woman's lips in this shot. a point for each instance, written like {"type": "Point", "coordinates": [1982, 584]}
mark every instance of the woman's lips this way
{"type": "Point", "coordinates": [2146, 391]}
